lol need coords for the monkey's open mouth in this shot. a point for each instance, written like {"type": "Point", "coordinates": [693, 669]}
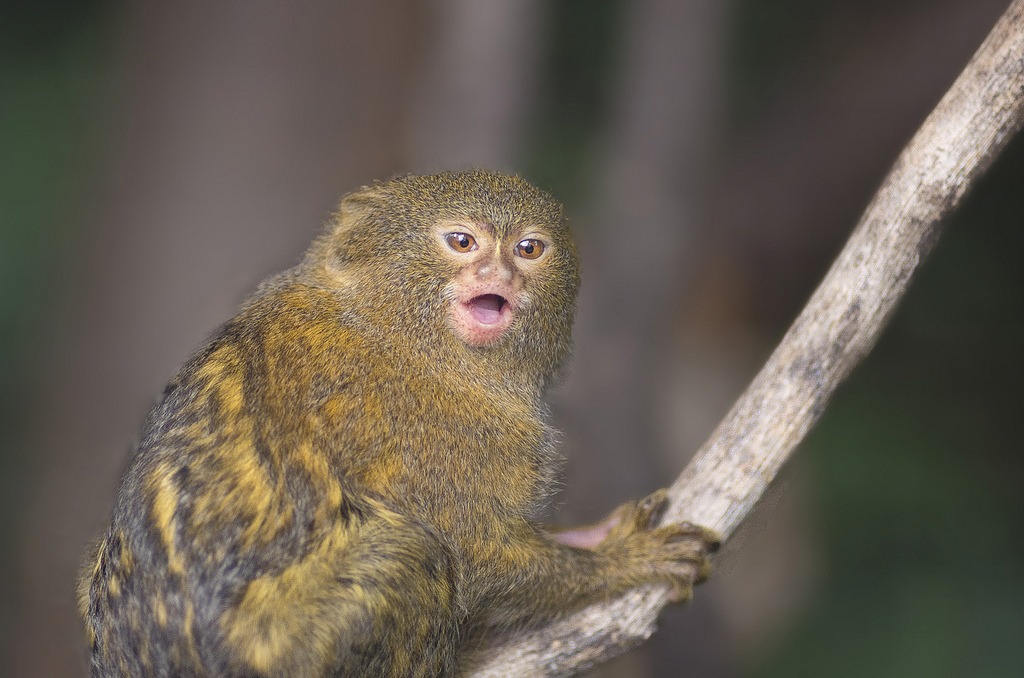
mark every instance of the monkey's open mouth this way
{"type": "Point", "coordinates": [482, 319]}
{"type": "Point", "coordinates": [487, 309]}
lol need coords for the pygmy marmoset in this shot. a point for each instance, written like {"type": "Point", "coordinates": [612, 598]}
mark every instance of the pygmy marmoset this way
{"type": "Point", "coordinates": [346, 479]}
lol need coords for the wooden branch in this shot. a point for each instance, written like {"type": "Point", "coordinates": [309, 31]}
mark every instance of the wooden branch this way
{"type": "Point", "coordinates": [840, 324]}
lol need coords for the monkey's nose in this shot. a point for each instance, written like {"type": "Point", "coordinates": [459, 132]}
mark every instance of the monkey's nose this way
{"type": "Point", "coordinates": [494, 270]}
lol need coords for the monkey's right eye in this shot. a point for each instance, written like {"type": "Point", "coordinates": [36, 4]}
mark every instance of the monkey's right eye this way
{"type": "Point", "coordinates": [461, 242]}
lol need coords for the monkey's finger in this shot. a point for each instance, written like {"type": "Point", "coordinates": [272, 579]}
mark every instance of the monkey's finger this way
{"type": "Point", "coordinates": [652, 508]}
{"type": "Point", "coordinates": [712, 540]}
{"type": "Point", "coordinates": [681, 588]}
{"type": "Point", "coordinates": [702, 539]}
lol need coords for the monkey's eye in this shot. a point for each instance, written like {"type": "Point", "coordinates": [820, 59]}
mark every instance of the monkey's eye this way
{"type": "Point", "coordinates": [531, 248]}
{"type": "Point", "coordinates": [460, 242]}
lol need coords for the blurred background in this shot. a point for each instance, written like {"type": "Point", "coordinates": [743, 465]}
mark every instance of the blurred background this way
{"type": "Point", "coordinates": [159, 158]}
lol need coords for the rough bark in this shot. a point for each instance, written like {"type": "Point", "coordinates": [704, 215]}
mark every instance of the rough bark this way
{"type": "Point", "coordinates": [839, 325]}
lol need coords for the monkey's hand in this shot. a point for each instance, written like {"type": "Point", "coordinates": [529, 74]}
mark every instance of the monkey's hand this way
{"type": "Point", "coordinates": [645, 551]}
{"type": "Point", "coordinates": [536, 575]}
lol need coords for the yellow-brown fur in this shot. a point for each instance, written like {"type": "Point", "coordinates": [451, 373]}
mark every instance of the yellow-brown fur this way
{"type": "Point", "coordinates": [337, 484]}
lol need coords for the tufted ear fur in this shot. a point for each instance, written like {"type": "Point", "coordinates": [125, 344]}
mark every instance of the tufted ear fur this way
{"type": "Point", "coordinates": [329, 253]}
{"type": "Point", "coordinates": [352, 211]}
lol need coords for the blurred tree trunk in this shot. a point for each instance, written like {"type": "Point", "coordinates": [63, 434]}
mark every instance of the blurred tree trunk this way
{"type": "Point", "coordinates": [666, 96]}
{"type": "Point", "coordinates": [242, 124]}
{"type": "Point", "coordinates": [477, 85]}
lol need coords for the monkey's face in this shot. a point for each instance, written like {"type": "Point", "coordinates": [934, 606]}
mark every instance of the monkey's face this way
{"type": "Point", "coordinates": [473, 259]}
{"type": "Point", "coordinates": [493, 273]}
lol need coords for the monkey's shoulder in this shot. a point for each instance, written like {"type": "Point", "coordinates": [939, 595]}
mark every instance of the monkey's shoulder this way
{"type": "Point", "coordinates": [284, 348]}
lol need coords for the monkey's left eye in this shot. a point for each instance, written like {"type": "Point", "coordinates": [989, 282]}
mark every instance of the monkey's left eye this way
{"type": "Point", "coordinates": [531, 248]}
{"type": "Point", "coordinates": [460, 242]}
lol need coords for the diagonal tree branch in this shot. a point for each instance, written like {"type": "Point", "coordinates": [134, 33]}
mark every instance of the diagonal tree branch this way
{"type": "Point", "coordinates": [842, 321]}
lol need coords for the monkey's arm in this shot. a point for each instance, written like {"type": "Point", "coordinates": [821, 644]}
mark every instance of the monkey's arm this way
{"type": "Point", "coordinates": [584, 536]}
{"type": "Point", "coordinates": [545, 575]}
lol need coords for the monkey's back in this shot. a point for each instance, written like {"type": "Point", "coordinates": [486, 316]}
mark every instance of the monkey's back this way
{"type": "Point", "coordinates": [252, 538]}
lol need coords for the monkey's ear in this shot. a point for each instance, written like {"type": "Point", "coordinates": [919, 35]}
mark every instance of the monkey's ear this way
{"type": "Point", "coordinates": [356, 207]}
{"type": "Point", "coordinates": [336, 246]}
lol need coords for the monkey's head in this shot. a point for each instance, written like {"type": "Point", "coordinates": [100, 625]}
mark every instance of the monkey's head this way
{"type": "Point", "coordinates": [479, 262]}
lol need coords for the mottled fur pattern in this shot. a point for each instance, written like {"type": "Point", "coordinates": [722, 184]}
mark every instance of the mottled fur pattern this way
{"type": "Point", "coordinates": [336, 485]}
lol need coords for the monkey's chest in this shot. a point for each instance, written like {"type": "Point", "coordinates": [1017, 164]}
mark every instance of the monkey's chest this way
{"type": "Point", "coordinates": [470, 483]}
